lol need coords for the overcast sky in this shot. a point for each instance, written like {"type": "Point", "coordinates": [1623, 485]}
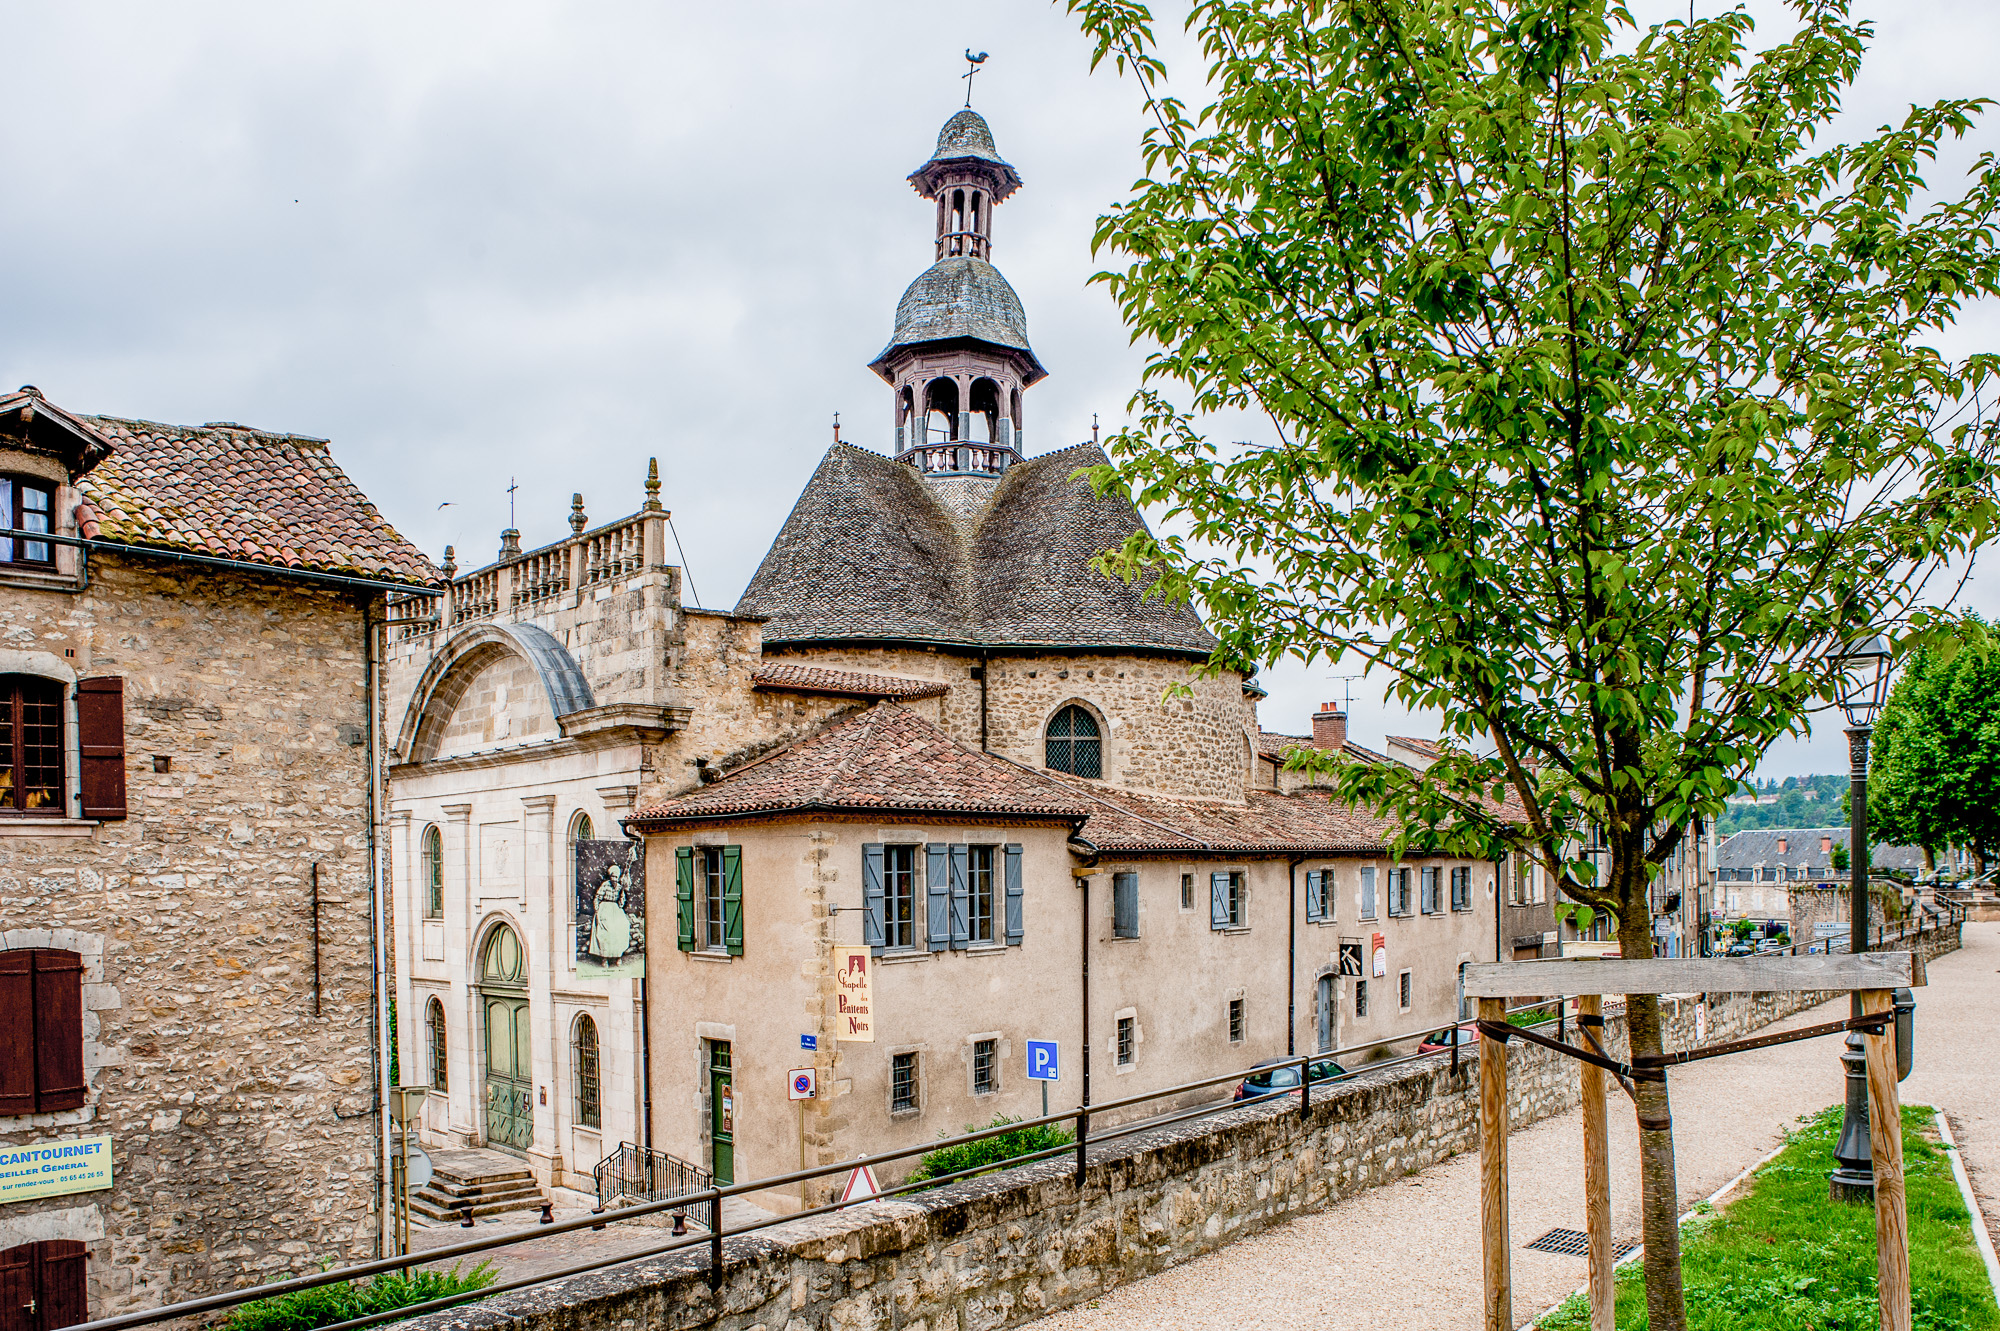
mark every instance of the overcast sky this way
{"type": "Point", "coordinates": [475, 244]}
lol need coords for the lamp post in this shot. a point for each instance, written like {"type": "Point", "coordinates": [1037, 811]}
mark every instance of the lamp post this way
{"type": "Point", "coordinates": [1864, 687]}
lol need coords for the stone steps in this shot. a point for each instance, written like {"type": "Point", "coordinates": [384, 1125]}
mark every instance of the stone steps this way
{"type": "Point", "coordinates": [490, 1183]}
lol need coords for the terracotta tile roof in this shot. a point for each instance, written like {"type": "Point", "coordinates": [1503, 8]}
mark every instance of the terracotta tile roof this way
{"type": "Point", "coordinates": [1272, 745]}
{"type": "Point", "coordinates": [885, 758]}
{"type": "Point", "coordinates": [238, 493]}
{"type": "Point", "coordinates": [1430, 748]}
{"type": "Point", "coordinates": [1266, 823]}
{"type": "Point", "coordinates": [845, 683]}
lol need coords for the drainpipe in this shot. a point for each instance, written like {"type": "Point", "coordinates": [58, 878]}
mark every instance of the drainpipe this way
{"type": "Point", "coordinates": [985, 667]}
{"type": "Point", "coordinates": [1291, 951]}
{"type": "Point", "coordinates": [1499, 881]}
{"type": "Point", "coordinates": [378, 1015]}
{"type": "Point", "coordinates": [646, 1059]}
{"type": "Point", "coordinates": [1086, 853]}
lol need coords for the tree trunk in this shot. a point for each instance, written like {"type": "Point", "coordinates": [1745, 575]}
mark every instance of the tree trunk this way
{"type": "Point", "coordinates": [1659, 1191]}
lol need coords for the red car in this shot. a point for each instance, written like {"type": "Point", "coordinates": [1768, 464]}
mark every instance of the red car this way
{"type": "Point", "coordinates": [1440, 1042]}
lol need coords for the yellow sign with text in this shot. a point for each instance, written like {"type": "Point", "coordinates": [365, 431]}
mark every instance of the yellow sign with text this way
{"type": "Point", "coordinates": [853, 986]}
{"type": "Point", "coordinates": [53, 1169]}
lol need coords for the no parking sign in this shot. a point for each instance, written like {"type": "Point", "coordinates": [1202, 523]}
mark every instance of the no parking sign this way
{"type": "Point", "coordinates": [803, 1084]}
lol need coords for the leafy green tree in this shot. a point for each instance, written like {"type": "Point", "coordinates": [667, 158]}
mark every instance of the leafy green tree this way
{"type": "Point", "coordinates": [1935, 779]}
{"type": "Point", "coordinates": [1602, 398]}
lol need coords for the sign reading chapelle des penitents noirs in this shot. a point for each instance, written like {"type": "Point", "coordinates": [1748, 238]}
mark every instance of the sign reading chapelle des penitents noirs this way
{"type": "Point", "coordinates": [610, 909]}
{"type": "Point", "coordinates": [52, 1169]}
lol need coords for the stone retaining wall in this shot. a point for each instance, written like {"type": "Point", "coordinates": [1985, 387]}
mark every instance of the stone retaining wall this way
{"type": "Point", "coordinates": [1000, 1250]}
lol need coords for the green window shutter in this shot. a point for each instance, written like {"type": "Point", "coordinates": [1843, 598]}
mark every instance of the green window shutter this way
{"type": "Point", "coordinates": [1313, 913]}
{"type": "Point", "coordinates": [1218, 901]}
{"type": "Point", "coordinates": [684, 895]}
{"type": "Point", "coordinates": [732, 899]}
{"type": "Point", "coordinates": [1013, 896]}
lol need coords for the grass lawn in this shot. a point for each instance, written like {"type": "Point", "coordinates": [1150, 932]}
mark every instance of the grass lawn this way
{"type": "Point", "coordinates": [1783, 1255]}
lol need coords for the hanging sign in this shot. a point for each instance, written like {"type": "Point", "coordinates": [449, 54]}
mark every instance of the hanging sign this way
{"type": "Point", "coordinates": [1378, 946]}
{"type": "Point", "coordinates": [54, 1169]}
{"type": "Point", "coordinates": [610, 910]}
{"type": "Point", "coordinates": [853, 987]}
{"type": "Point", "coordinates": [800, 1084]}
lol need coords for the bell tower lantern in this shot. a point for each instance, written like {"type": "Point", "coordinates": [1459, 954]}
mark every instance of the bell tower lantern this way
{"type": "Point", "coordinates": [959, 357]}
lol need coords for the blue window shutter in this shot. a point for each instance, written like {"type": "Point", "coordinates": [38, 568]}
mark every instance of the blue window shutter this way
{"type": "Point", "coordinates": [732, 899]}
{"type": "Point", "coordinates": [871, 896]}
{"type": "Point", "coordinates": [1313, 911]}
{"type": "Point", "coordinates": [960, 906]}
{"type": "Point", "coordinates": [937, 910]}
{"type": "Point", "coordinates": [1125, 905]}
{"type": "Point", "coordinates": [1218, 901]}
{"type": "Point", "coordinates": [1013, 896]}
{"type": "Point", "coordinates": [1368, 892]}
{"type": "Point", "coordinates": [1427, 888]}
{"type": "Point", "coordinates": [684, 895]}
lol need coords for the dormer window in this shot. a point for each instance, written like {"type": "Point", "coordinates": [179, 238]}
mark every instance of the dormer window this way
{"type": "Point", "coordinates": [26, 504]}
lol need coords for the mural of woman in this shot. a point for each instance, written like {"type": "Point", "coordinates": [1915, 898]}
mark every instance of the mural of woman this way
{"type": "Point", "coordinates": [610, 909]}
{"type": "Point", "coordinates": [611, 930]}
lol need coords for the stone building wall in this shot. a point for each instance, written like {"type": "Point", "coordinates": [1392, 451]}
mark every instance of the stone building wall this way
{"type": "Point", "coordinates": [1002, 1250]}
{"type": "Point", "coordinates": [242, 1124]}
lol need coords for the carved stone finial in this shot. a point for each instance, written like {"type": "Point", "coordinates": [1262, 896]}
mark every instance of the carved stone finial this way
{"type": "Point", "coordinates": [652, 485]}
{"type": "Point", "coordinates": [510, 543]}
{"type": "Point", "coordinates": [450, 568]}
{"type": "Point", "coordinates": [576, 518]}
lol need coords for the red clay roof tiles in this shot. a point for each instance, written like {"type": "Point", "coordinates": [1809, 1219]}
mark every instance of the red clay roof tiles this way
{"type": "Point", "coordinates": [844, 683]}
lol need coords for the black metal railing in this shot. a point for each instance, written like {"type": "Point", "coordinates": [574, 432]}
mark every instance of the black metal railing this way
{"type": "Point", "coordinates": [654, 1176]}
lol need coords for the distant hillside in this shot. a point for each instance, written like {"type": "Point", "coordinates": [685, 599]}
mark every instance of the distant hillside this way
{"type": "Point", "coordinates": [1803, 801]}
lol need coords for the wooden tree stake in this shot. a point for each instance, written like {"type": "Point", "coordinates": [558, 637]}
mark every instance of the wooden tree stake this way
{"type": "Point", "coordinates": [1885, 1141]}
{"type": "Point", "coordinates": [1597, 1183]}
{"type": "Point", "coordinates": [1493, 1172]}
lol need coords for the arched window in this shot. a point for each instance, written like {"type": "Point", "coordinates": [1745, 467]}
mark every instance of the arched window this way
{"type": "Point", "coordinates": [31, 745]}
{"type": "Point", "coordinates": [434, 1019]}
{"type": "Point", "coordinates": [503, 962]}
{"type": "Point", "coordinates": [431, 870]}
{"type": "Point", "coordinates": [579, 831]}
{"type": "Point", "coordinates": [583, 1057]}
{"type": "Point", "coordinates": [1074, 745]}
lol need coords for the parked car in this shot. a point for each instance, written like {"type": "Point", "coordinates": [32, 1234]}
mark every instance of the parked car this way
{"type": "Point", "coordinates": [1281, 1077]}
{"type": "Point", "coordinates": [1742, 947]}
{"type": "Point", "coordinates": [1438, 1042]}
{"type": "Point", "coordinates": [1770, 945]}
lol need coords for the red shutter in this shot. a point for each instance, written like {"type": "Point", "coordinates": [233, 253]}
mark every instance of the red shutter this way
{"type": "Point", "coordinates": [64, 1301]}
{"type": "Point", "coordinates": [100, 724]}
{"type": "Point", "coordinates": [17, 1035]}
{"type": "Point", "coordinates": [58, 1030]}
{"type": "Point", "coordinates": [17, 1289]}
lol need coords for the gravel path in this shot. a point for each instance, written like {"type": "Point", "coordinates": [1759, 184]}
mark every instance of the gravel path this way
{"type": "Point", "coordinates": [1406, 1254]}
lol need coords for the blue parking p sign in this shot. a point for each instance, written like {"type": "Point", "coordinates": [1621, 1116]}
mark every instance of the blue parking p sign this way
{"type": "Point", "coordinates": [1042, 1061]}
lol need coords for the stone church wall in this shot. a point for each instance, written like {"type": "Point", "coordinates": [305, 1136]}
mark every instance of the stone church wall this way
{"type": "Point", "coordinates": [242, 1124]}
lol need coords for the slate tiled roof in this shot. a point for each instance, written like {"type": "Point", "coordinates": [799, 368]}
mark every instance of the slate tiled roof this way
{"type": "Point", "coordinates": [1759, 846]}
{"type": "Point", "coordinates": [966, 137]}
{"type": "Point", "coordinates": [885, 758]}
{"type": "Point", "coordinates": [869, 554]}
{"type": "Point", "coordinates": [844, 683]}
{"type": "Point", "coordinates": [958, 298]}
{"type": "Point", "coordinates": [239, 493]}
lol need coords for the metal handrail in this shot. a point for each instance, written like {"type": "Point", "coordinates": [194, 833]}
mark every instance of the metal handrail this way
{"type": "Point", "coordinates": [716, 1195]}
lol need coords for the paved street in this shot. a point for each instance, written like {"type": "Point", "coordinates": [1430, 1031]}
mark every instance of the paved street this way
{"type": "Point", "coordinates": [1406, 1255]}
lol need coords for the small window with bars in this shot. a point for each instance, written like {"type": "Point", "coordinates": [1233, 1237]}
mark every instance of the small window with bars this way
{"type": "Point", "coordinates": [1236, 1021]}
{"type": "Point", "coordinates": [1403, 988]}
{"type": "Point", "coordinates": [439, 1051]}
{"type": "Point", "coordinates": [985, 1067]}
{"type": "Point", "coordinates": [583, 1054]}
{"type": "Point", "coordinates": [1187, 891]}
{"type": "Point", "coordinates": [1361, 998]}
{"type": "Point", "coordinates": [903, 1084]}
{"type": "Point", "coordinates": [1128, 1030]}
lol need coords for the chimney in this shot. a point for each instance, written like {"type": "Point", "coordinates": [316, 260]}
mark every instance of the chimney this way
{"type": "Point", "coordinates": [1826, 845]}
{"type": "Point", "coordinates": [1781, 845]}
{"type": "Point", "coordinates": [1329, 727]}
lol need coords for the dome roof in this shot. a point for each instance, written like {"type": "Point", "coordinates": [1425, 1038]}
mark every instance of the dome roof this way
{"type": "Point", "coordinates": [961, 297]}
{"type": "Point", "coordinates": [966, 138]}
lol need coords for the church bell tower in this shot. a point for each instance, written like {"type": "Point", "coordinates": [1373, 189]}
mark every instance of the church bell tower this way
{"type": "Point", "coordinates": [959, 357]}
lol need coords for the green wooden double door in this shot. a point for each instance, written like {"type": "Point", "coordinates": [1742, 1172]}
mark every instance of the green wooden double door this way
{"type": "Point", "coordinates": [510, 1078]}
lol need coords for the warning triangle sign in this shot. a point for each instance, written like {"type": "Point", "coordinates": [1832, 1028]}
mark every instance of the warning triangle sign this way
{"type": "Point", "coordinates": [861, 1185]}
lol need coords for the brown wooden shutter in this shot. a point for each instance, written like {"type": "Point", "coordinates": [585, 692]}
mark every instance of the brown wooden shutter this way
{"type": "Point", "coordinates": [17, 1034]}
{"type": "Point", "coordinates": [58, 1030]}
{"type": "Point", "coordinates": [64, 1301]}
{"type": "Point", "coordinates": [100, 724]}
{"type": "Point", "coordinates": [17, 1289]}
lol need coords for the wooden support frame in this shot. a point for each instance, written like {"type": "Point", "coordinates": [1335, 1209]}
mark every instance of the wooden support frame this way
{"type": "Point", "coordinates": [1873, 974]}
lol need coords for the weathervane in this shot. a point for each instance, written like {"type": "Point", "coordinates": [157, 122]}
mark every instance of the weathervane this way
{"type": "Point", "coordinates": [973, 63]}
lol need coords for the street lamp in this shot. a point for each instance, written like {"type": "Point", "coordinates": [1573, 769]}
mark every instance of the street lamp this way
{"type": "Point", "coordinates": [1864, 686]}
